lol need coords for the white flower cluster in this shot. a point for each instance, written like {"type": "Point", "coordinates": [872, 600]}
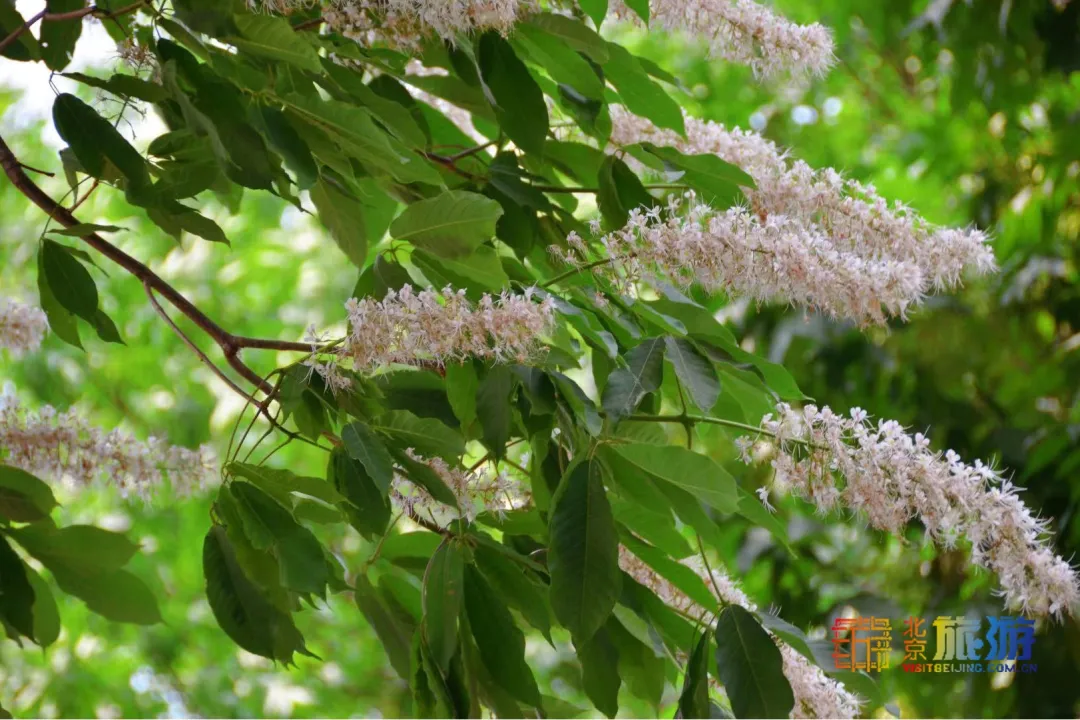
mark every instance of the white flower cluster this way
{"type": "Point", "coordinates": [63, 447]}
{"type": "Point", "coordinates": [848, 214]}
{"type": "Point", "coordinates": [22, 327]}
{"type": "Point", "coordinates": [736, 252]}
{"type": "Point", "coordinates": [405, 23]}
{"type": "Point", "coordinates": [893, 477]}
{"type": "Point", "coordinates": [409, 327]}
{"type": "Point", "coordinates": [475, 492]}
{"type": "Point", "coordinates": [745, 32]}
{"type": "Point", "coordinates": [816, 694]}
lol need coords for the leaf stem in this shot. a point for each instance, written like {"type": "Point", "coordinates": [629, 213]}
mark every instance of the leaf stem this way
{"type": "Point", "coordinates": [574, 271]}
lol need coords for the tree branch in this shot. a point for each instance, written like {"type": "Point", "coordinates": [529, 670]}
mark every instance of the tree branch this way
{"type": "Point", "coordinates": [230, 344]}
{"type": "Point", "coordinates": [46, 16]}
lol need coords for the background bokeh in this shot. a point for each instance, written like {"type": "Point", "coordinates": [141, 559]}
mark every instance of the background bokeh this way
{"type": "Point", "coordinates": [967, 111]}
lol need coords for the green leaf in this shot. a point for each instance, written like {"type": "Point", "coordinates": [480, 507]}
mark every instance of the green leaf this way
{"type": "Point", "coordinates": [16, 593]}
{"type": "Point", "coordinates": [573, 32]}
{"type": "Point", "coordinates": [427, 436]}
{"type": "Point", "coordinates": [367, 508]}
{"type": "Point", "coordinates": [393, 636]}
{"type": "Point", "coordinates": [69, 281]}
{"type": "Point", "coordinates": [752, 509]}
{"type": "Point", "coordinates": [280, 483]}
{"type": "Point", "coordinates": [450, 225]}
{"type": "Point", "coordinates": [716, 181]}
{"type": "Point", "coordinates": [600, 671]}
{"type": "Point", "coordinates": [561, 61]}
{"type": "Point", "coordinates": [46, 613]}
{"type": "Point", "coordinates": [482, 270]}
{"type": "Point", "coordinates": [595, 9]}
{"type": "Point", "coordinates": [273, 37]}
{"type": "Point", "coordinates": [84, 229]}
{"type": "Point", "coordinates": [62, 322]}
{"type": "Point", "coordinates": [695, 371]}
{"type": "Point", "coordinates": [461, 386]}
{"type": "Point", "coordinates": [94, 140]}
{"type": "Point", "coordinates": [77, 548]}
{"type": "Point", "coordinates": [127, 86]}
{"type": "Point", "coordinates": [24, 498]}
{"type": "Point", "coordinates": [365, 446]}
{"type": "Point", "coordinates": [515, 587]}
{"type": "Point", "coordinates": [694, 700]}
{"type": "Point", "coordinates": [620, 192]}
{"type": "Point", "coordinates": [395, 116]}
{"type": "Point", "coordinates": [627, 386]}
{"type": "Point", "coordinates": [699, 475]}
{"type": "Point", "coordinates": [641, 95]}
{"type": "Point", "coordinates": [116, 595]}
{"type": "Point", "coordinates": [583, 557]}
{"type": "Point", "coordinates": [515, 97]}
{"type": "Point", "coordinates": [58, 38]}
{"type": "Point", "coordinates": [353, 129]}
{"type": "Point", "coordinates": [494, 408]}
{"type": "Point", "coordinates": [271, 527]}
{"type": "Point", "coordinates": [641, 7]}
{"type": "Point", "coordinates": [286, 141]}
{"type": "Point", "coordinates": [240, 607]}
{"type": "Point", "coordinates": [750, 666]}
{"type": "Point", "coordinates": [443, 585]}
{"type": "Point", "coordinates": [25, 47]}
{"type": "Point", "coordinates": [498, 638]}
{"type": "Point", "coordinates": [344, 218]}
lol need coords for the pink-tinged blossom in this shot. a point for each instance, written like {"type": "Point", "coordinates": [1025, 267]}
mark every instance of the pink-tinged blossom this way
{"type": "Point", "coordinates": [773, 259]}
{"type": "Point", "coordinates": [476, 492]}
{"type": "Point", "coordinates": [744, 32]}
{"type": "Point", "coordinates": [406, 23]}
{"type": "Point", "coordinates": [816, 694]}
{"type": "Point", "coordinates": [22, 327]}
{"type": "Point", "coordinates": [892, 477]}
{"type": "Point", "coordinates": [853, 217]}
{"type": "Point", "coordinates": [64, 448]}
{"type": "Point", "coordinates": [410, 327]}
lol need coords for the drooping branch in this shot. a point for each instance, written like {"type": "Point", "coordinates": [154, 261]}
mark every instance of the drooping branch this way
{"type": "Point", "coordinates": [230, 344]}
{"type": "Point", "coordinates": [46, 16]}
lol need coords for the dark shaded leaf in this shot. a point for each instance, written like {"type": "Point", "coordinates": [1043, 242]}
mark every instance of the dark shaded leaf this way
{"type": "Point", "coordinates": [583, 557]}
{"type": "Point", "coordinates": [24, 498]}
{"type": "Point", "coordinates": [443, 588]}
{"type": "Point", "coordinates": [513, 94]}
{"type": "Point", "coordinates": [627, 386]}
{"type": "Point", "coordinates": [694, 700]}
{"type": "Point", "coordinates": [750, 666]}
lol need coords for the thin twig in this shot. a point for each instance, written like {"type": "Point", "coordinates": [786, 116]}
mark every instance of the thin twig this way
{"type": "Point", "coordinates": [33, 169]}
{"type": "Point", "coordinates": [310, 24]}
{"type": "Point", "coordinates": [46, 16]}
{"type": "Point", "coordinates": [593, 190]}
{"type": "Point", "coordinates": [190, 343]}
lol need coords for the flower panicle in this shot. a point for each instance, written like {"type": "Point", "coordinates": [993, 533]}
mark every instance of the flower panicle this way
{"type": "Point", "coordinates": [22, 327]}
{"type": "Point", "coordinates": [891, 477]}
{"type": "Point", "coordinates": [475, 492]}
{"type": "Point", "coordinates": [745, 32]}
{"type": "Point", "coordinates": [849, 214]}
{"type": "Point", "coordinates": [63, 447]}
{"type": "Point", "coordinates": [816, 694]}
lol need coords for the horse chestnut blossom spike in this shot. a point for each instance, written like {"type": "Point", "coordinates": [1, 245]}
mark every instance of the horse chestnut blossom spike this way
{"type": "Point", "coordinates": [410, 327]}
{"type": "Point", "coordinates": [65, 448]}
{"type": "Point", "coordinates": [850, 214]}
{"type": "Point", "coordinates": [816, 694]}
{"type": "Point", "coordinates": [404, 24]}
{"type": "Point", "coordinates": [475, 492]}
{"type": "Point", "coordinates": [744, 32]}
{"type": "Point", "coordinates": [22, 327]}
{"type": "Point", "coordinates": [892, 477]}
{"type": "Point", "coordinates": [737, 252]}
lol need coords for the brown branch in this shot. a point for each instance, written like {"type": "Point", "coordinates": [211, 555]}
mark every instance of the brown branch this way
{"type": "Point", "coordinates": [46, 16]}
{"type": "Point", "coordinates": [310, 24]}
{"type": "Point", "coordinates": [39, 171]}
{"type": "Point", "coordinates": [230, 344]}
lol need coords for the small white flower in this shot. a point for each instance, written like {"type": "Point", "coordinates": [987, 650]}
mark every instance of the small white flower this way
{"type": "Point", "coordinates": [22, 327]}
